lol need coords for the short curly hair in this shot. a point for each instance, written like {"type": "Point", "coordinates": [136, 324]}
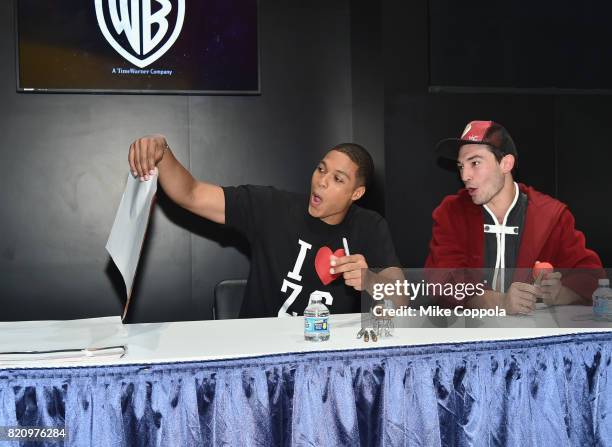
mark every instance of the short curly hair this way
{"type": "Point", "coordinates": [361, 157]}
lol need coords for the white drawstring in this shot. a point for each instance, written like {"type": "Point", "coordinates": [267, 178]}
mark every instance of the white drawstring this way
{"type": "Point", "coordinates": [500, 236]}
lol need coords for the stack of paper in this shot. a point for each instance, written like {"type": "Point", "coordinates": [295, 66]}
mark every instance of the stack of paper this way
{"type": "Point", "coordinates": [70, 340]}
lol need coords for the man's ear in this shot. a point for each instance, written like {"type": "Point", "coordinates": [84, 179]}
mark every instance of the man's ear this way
{"type": "Point", "coordinates": [358, 193]}
{"type": "Point", "coordinates": [507, 163]}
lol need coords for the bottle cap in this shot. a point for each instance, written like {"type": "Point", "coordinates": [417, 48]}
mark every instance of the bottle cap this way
{"type": "Point", "coordinates": [319, 296]}
{"type": "Point", "coordinates": [604, 282]}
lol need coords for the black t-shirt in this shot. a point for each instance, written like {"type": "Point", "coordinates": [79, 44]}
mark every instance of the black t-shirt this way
{"type": "Point", "coordinates": [285, 241]}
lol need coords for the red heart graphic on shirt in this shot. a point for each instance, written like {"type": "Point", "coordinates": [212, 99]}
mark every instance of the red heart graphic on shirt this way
{"type": "Point", "coordinates": [322, 264]}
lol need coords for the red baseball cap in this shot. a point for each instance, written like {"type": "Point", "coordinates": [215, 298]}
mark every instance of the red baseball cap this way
{"type": "Point", "coordinates": [478, 132]}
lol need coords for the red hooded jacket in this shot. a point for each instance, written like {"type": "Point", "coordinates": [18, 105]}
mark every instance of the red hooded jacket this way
{"type": "Point", "coordinates": [548, 235]}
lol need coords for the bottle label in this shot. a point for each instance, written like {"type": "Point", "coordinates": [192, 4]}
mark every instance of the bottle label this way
{"type": "Point", "coordinates": [316, 325]}
{"type": "Point", "coordinates": [600, 306]}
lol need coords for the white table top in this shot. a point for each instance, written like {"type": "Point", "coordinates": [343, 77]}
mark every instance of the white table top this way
{"type": "Point", "coordinates": [224, 339]}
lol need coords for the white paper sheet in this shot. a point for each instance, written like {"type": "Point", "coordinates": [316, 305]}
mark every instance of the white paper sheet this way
{"type": "Point", "coordinates": [28, 341]}
{"type": "Point", "coordinates": [129, 229]}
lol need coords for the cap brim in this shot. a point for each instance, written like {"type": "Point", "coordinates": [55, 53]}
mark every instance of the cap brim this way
{"type": "Point", "coordinates": [449, 147]}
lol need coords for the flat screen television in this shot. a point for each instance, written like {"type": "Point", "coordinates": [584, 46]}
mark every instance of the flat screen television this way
{"type": "Point", "coordinates": [138, 46]}
{"type": "Point", "coordinates": [520, 45]}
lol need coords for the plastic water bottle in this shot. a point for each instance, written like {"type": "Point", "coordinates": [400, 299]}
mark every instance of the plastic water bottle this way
{"type": "Point", "coordinates": [602, 301]}
{"type": "Point", "coordinates": [316, 317]}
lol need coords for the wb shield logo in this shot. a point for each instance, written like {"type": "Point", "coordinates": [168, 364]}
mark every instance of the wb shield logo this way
{"type": "Point", "coordinates": [141, 31]}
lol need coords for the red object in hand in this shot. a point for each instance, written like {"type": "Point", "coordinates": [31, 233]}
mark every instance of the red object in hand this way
{"type": "Point", "coordinates": [322, 264]}
{"type": "Point", "coordinates": [542, 267]}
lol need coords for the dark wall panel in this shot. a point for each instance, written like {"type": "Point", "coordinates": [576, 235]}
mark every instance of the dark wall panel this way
{"type": "Point", "coordinates": [368, 92]}
{"type": "Point", "coordinates": [584, 160]}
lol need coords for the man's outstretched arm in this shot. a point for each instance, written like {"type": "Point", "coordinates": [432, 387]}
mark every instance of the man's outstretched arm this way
{"type": "Point", "coordinates": [204, 199]}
